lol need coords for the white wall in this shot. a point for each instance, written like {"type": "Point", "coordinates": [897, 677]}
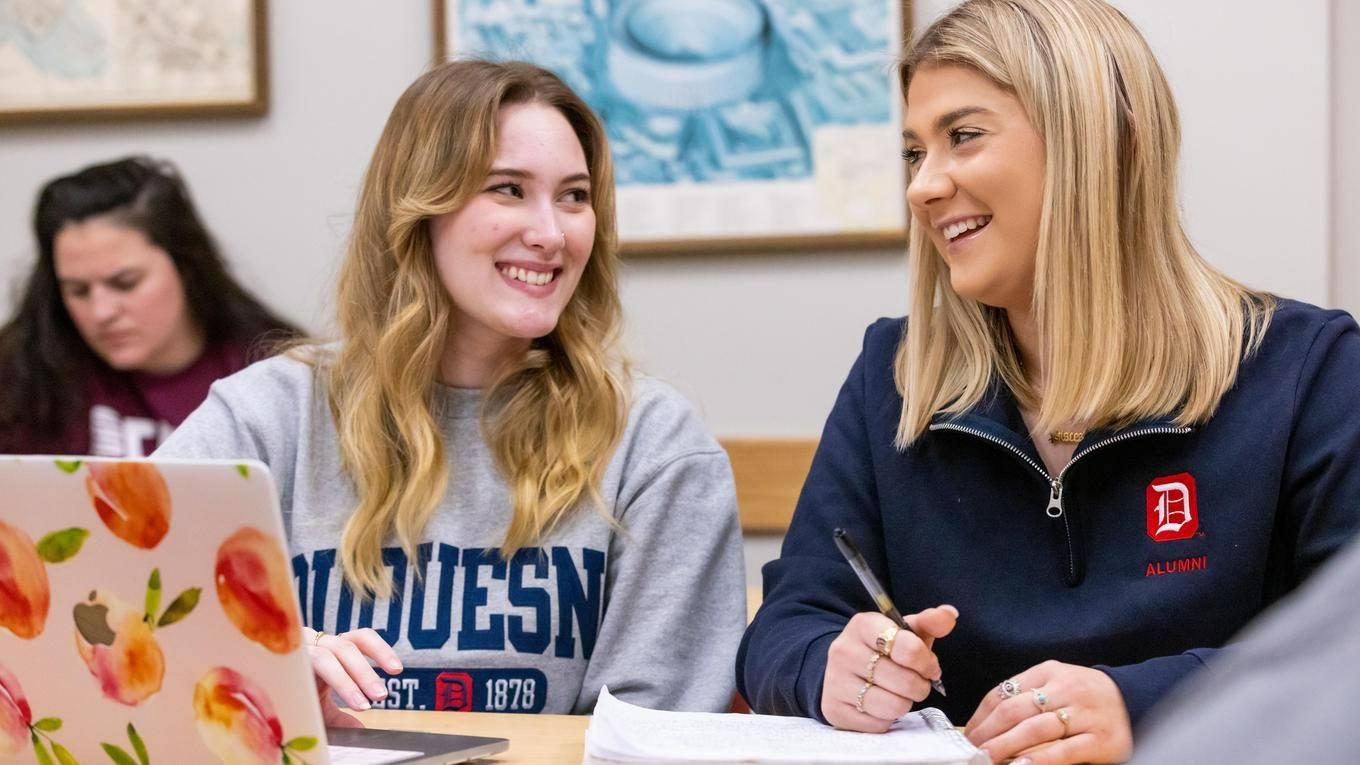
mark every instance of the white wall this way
{"type": "Point", "coordinates": [760, 342]}
{"type": "Point", "coordinates": [1345, 46]}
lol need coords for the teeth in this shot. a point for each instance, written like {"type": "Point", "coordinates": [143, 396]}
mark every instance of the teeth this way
{"type": "Point", "coordinates": [537, 278]}
{"type": "Point", "coordinates": [953, 230]}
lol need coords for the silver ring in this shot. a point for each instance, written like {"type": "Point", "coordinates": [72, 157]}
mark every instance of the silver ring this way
{"type": "Point", "coordinates": [1009, 688]}
{"type": "Point", "coordinates": [1040, 699]}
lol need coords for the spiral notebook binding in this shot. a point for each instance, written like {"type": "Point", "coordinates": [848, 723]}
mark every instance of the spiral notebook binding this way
{"type": "Point", "coordinates": [940, 723]}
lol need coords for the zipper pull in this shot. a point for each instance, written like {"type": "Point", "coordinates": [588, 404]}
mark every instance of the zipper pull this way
{"type": "Point", "coordinates": [1055, 508]}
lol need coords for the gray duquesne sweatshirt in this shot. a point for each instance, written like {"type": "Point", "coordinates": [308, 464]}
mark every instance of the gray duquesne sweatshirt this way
{"type": "Point", "coordinates": [654, 610]}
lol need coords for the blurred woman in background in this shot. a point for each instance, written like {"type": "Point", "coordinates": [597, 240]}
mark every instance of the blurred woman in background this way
{"type": "Point", "coordinates": [128, 316]}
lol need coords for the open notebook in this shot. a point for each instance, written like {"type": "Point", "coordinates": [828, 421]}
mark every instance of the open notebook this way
{"type": "Point", "coordinates": [148, 615]}
{"type": "Point", "coordinates": [622, 732]}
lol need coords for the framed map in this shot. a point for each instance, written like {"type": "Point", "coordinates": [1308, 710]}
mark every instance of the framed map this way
{"type": "Point", "coordinates": [734, 124]}
{"type": "Point", "coordinates": [102, 59]}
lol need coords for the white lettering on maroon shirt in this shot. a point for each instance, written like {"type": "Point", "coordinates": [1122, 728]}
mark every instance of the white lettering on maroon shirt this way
{"type": "Point", "coordinates": [113, 435]}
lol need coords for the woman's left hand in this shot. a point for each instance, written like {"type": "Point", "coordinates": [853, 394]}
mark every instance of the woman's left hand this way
{"type": "Point", "coordinates": [1062, 714]}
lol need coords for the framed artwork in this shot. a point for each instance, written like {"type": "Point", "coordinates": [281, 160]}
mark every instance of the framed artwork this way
{"type": "Point", "coordinates": [112, 59]}
{"type": "Point", "coordinates": [734, 124]}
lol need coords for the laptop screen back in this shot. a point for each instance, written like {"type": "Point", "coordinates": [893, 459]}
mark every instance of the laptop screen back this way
{"type": "Point", "coordinates": [149, 609]}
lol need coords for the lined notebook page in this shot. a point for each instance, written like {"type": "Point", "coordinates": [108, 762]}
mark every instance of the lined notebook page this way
{"type": "Point", "coordinates": [622, 732]}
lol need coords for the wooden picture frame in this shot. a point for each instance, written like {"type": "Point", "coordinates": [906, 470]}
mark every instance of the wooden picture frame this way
{"type": "Point", "coordinates": [776, 127]}
{"type": "Point", "coordinates": [98, 60]}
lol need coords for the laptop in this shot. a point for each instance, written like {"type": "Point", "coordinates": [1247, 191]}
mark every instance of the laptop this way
{"type": "Point", "coordinates": [148, 613]}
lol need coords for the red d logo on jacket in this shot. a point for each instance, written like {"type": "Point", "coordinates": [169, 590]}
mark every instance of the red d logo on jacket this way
{"type": "Point", "coordinates": [1172, 512]}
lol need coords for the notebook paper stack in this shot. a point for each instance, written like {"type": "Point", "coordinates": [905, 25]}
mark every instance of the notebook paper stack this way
{"type": "Point", "coordinates": [624, 733]}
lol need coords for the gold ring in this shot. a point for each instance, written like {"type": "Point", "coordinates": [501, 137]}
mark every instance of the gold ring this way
{"type": "Point", "coordinates": [1064, 717]}
{"type": "Point", "coordinates": [1040, 699]}
{"type": "Point", "coordinates": [859, 697]}
{"type": "Point", "coordinates": [884, 642]}
{"type": "Point", "coordinates": [873, 662]}
{"type": "Point", "coordinates": [317, 640]}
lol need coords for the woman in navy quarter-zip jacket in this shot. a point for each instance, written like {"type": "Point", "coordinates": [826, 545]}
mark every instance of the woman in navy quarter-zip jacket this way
{"type": "Point", "coordinates": [1089, 458]}
{"type": "Point", "coordinates": [966, 517]}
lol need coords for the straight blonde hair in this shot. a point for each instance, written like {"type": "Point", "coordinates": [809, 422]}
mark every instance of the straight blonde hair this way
{"type": "Point", "coordinates": [1133, 323]}
{"type": "Point", "coordinates": [552, 420]}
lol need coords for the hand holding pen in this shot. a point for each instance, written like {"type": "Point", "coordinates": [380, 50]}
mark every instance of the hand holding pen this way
{"type": "Point", "coordinates": [881, 664]}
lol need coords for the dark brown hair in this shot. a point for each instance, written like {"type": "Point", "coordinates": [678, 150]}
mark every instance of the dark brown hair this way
{"type": "Point", "coordinates": [42, 355]}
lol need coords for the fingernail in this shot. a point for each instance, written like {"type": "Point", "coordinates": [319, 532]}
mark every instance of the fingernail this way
{"type": "Point", "coordinates": [1021, 761]}
{"type": "Point", "coordinates": [377, 691]}
{"type": "Point", "coordinates": [953, 611]}
{"type": "Point", "coordinates": [357, 701]}
{"type": "Point", "coordinates": [394, 667]}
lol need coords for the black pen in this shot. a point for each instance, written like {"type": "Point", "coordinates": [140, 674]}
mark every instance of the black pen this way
{"type": "Point", "coordinates": [875, 589]}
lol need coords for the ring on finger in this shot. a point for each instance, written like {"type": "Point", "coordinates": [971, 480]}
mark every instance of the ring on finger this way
{"type": "Point", "coordinates": [884, 642]}
{"type": "Point", "coordinates": [317, 640]}
{"type": "Point", "coordinates": [859, 697]}
{"type": "Point", "coordinates": [873, 662]}
{"type": "Point", "coordinates": [1009, 688]}
{"type": "Point", "coordinates": [1064, 717]}
{"type": "Point", "coordinates": [1040, 699]}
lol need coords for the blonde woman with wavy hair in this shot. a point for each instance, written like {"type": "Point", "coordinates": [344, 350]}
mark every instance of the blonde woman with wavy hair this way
{"type": "Point", "coordinates": [480, 497]}
{"type": "Point", "coordinates": [1104, 455]}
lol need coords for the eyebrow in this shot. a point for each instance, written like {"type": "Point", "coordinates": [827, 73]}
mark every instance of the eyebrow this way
{"type": "Point", "coordinates": [115, 276]}
{"type": "Point", "coordinates": [512, 172]}
{"type": "Point", "coordinates": [949, 118]}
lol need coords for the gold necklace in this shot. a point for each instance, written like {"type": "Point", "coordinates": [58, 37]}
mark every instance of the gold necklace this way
{"type": "Point", "coordinates": [1066, 436]}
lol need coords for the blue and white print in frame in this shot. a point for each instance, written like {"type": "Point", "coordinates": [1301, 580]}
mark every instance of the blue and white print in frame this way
{"type": "Point", "coordinates": [734, 124]}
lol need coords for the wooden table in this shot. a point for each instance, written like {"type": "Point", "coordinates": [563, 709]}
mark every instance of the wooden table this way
{"type": "Point", "coordinates": [534, 739]}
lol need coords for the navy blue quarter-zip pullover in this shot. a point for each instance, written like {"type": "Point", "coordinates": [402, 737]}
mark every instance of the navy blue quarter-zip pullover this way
{"type": "Point", "coordinates": [1142, 557]}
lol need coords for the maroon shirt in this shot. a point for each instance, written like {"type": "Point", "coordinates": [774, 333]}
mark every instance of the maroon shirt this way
{"type": "Point", "coordinates": [128, 414]}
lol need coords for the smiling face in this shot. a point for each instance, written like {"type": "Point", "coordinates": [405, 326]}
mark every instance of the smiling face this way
{"type": "Point", "coordinates": [512, 256]}
{"type": "Point", "coordinates": [125, 297]}
{"type": "Point", "coordinates": [976, 165]}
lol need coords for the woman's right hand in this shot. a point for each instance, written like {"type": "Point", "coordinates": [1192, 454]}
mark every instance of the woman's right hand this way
{"type": "Point", "coordinates": [341, 665]}
{"type": "Point", "coordinates": [900, 679]}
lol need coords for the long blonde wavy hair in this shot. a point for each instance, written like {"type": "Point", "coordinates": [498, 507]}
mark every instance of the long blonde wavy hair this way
{"type": "Point", "coordinates": [1133, 323]}
{"type": "Point", "coordinates": [553, 420]}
